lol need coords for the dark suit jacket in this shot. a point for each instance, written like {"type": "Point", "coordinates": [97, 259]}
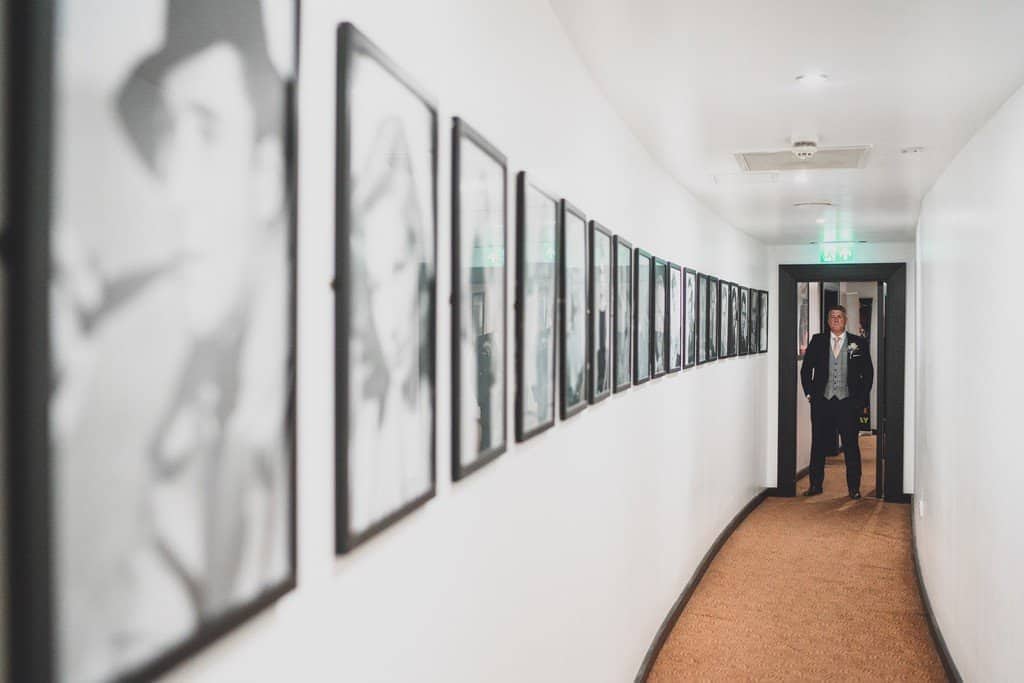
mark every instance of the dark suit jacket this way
{"type": "Point", "coordinates": [860, 371]}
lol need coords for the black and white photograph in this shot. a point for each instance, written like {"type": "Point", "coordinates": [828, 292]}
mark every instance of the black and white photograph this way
{"type": "Point", "coordinates": [755, 324]}
{"type": "Point", "coordinates": [709, 312]}
{"type": "Point", "coordinates": [600, 312]}
{"type": "Point", "coordinates": [623, 309]}
{"type": "Point", "coordinates": [803, 317]}
{"type": "Point", "coordinates": [689, 322]}
{"type": "Point", "coordinates": [724, 325]}
{"type": "Point", "coordinates": [744, 324]}
{"type": "Point", "coordinates": [643, 339]}
{"type": "Point", "coordinates": [762, 334]}
{"type": "Point", "coordinates": [734, 318]}
{"type": "Point", "coordinates": [385, 300]}
{"type": "Point", "coordinates": [574, 277]}
{"type": "Point", "coordinates": [479, 311]}
{"type": "Point", "coordinates": [702, 318]}
{"type": "Point", "coordinates": [153, 490]}
{"type": "Point", "coordinates": [659, 322]}
{"type": "Point", "coordinates": [674, 313]}
{"type": "Point", "coordinates": [536, 294]}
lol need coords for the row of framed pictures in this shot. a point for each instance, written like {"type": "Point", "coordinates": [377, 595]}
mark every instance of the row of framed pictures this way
{"type": "Point", "coordinates": [594, 313]}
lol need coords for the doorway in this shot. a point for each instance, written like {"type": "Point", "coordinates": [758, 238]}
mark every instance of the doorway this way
{"type": "Point", "coordinates": [887, 315]}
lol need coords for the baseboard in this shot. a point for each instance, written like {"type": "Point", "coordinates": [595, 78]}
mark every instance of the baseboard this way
{"type": "Point", "coordinates": [952, 673]}
{"type": "Point", "coordinates": [803, 473]}
{"type": "Point", "coordinates": [677, 608]}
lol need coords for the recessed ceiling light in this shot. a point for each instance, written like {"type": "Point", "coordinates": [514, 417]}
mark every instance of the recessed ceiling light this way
{"type": "Point", "coordinates": [912, 150]}
{"type": "Point", "coordinates": [811, 79]}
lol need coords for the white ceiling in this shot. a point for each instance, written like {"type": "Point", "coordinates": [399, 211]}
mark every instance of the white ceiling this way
{"type": "Point", "coordinates": [700, 80]}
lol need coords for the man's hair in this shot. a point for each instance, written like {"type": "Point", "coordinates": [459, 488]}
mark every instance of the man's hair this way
{"type": "Point", "coordinates": [836, 307]}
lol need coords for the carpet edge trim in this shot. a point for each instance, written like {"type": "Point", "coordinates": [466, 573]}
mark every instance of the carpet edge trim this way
{"type": "Point", "coordinates": [952, 673]}
{"type": "Point", "coordinates": [680, 604]}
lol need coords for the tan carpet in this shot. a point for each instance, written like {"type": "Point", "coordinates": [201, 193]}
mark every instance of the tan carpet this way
{"type": "Point", "coordinates": [819, 588]}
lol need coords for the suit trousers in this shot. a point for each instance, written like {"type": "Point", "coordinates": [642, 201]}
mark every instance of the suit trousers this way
{"type": "Point", "coordinates": [827, 418]}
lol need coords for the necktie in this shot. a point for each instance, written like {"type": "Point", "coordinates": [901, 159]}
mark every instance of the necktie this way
{"type": "Point", "coordinates": [836, 345]}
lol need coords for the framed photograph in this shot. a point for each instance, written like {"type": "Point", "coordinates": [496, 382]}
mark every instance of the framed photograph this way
{"type": "Point", "coordinates": [709, 312]}
{"type": "Point", "coordinates": [724, 318]}
{"type": "Point", "coordinates": [803, 317]}
{"type": "Point", "coordinates": [599, 312]}
{"type": "Point", "coordinates": [734, 318]}
{"type": "Point", "coordinates": [691, 296]}
{"type": "Point", "coordinates": [744, 326]}
{"type": "Point", "coordinates": [659, 320]}
{"type": "Point", "coordinates": [479, 233]}
{"type": "Point", "coordinates": [643, 337]}
{"type": "Point", "coordinates": [623, 308]}
{"type": "Point", "coordinates": [702, 318]}
{"type": "Point", "coordinates": [150, 436]}
{"type": "Point", "coordinates": [385, 297]}
{"type": "Point", "coordinates": [674, 313]}
{"type": "Point", "coordinates": [573, 319]}
{"type": "Point", "coordinates": [755, 324]}
{"type": "Point", "coordinates": [763, 329]}
{"type": "Point", "coordinates": [536, 306]}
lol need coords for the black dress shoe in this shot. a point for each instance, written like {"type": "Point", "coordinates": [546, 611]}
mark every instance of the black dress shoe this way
{"type": "Point", "coordinates": [855, 495]}
{"type": "Point", "coordinates": [812, 491]}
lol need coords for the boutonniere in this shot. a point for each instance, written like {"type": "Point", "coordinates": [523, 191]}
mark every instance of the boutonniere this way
{"type": "Point", "coordinates": [851, 348]}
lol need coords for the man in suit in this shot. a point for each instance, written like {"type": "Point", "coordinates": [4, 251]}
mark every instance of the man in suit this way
{"type": "Point", "coordinates": [836, 376]}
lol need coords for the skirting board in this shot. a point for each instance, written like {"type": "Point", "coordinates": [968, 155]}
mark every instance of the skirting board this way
{"type": "Point", "coordinates": [952, 673]}
{"type": "Point", "coordinates": [680, 603]}
{"type": "Point", "coordinates": [803, 473]}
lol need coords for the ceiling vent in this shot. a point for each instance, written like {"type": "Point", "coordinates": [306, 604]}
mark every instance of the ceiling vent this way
{"type": "Point", "coordinates": [822, 158]}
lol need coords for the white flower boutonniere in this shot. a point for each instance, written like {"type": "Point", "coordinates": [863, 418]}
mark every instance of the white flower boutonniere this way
{"type": "Point", "coordinates": [851, 348]}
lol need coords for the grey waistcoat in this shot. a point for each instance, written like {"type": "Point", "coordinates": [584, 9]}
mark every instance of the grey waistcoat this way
{"type": "Point", "coordinates": [836, 386]}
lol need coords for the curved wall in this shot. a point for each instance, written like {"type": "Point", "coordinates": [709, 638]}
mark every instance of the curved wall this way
{"type": "Point", "coordinates": [969, 386]}
{"type": "Point", "coordinates": [559, 560]}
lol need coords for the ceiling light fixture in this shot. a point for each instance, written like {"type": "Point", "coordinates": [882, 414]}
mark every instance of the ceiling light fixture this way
{"type": "Point", "coordinates": [812, 79]}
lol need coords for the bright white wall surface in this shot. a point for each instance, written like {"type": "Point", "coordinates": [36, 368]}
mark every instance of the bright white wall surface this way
{"type": "Point", "coordinates": [879, 252]}
{"type": "Point", "coordinates": [559, 561]}
{"type": "Point", "coordinates": [969, 471]}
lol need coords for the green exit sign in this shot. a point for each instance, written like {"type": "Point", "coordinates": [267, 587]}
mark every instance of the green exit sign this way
{"type": "Point", "coordinates": [836, 253]}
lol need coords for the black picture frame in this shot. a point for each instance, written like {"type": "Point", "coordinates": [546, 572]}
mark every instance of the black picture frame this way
{"type": "Point", "coordinates": [734, 319]}
{"type": "Point", "coordinates": [690, 346]}
{"type": "Point", "coordinates": [524, 231]}
{"type": "Point", "coordinates": [744, 322]}
{"type": "Point", "coordinates": [674, 321]}
{"type": "Point", "coordinates": [763, 332]}
{"type": "Point", "coordinates": [350, 42]}
{"type": "Point", "coordinates": [702, 318]}
{"type": "Point", "coordinates": [31, 556]}
{"type": "Point", "coordinates": [569, 216]}
{"type": "Point", "coordinates": [754, 322]}
{"type": "Point", "coordinates": [643, 315]}
{"type": "Point", "coordinates": [660, 338]}
{"type": "Point", "coordinates": [463, 133]}
{"type": "Point", "coordinates": [599, 388]}
{"type": "Point", "coordinates": [724, 323]}
{"type": "Point", "coordinates": [710, 309]}
{"type": "Point", "coordinates": [622, 308]}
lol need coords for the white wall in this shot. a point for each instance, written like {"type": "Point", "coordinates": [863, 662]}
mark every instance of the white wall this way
{"type": "Point", "coordinates": [970, 472]}
{"type": "Point", "coordinates": [880, 252]}
{"type": "Point", "coordinates": [559, 561]}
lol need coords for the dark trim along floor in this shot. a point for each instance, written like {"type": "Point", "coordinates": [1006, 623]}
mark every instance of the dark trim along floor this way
{"type": "Point", "coordinates": [952, 673]}
{"type": "Point", "coordinates": [677, 609]}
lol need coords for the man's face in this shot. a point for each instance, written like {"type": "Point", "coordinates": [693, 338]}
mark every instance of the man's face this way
{"type": "Point", "coordinates": [214, 177]}
{"type": "Point", "coordinates": [837, 322]}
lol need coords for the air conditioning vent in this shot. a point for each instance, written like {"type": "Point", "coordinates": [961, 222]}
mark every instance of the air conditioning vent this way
{"type": "Point", "coordinates": [826, 158]}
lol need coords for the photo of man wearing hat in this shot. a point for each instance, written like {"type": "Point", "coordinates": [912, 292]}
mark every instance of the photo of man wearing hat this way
{"type": "Point", "coordinates": [171, 301]}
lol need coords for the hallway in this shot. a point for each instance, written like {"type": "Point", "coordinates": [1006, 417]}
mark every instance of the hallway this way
{"type": "Point", "coordinates": [818, 588]}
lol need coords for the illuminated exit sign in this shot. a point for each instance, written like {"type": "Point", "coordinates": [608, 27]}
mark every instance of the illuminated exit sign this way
{"type": "Point", "coordinates": [836, 253]}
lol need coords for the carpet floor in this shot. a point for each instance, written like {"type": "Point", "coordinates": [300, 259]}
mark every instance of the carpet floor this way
{"type": "Point", "coordinates": [819, 588]}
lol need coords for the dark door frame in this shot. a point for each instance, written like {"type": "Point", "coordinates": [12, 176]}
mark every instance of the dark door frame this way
{"type": "Point", "coordinates": [891, 363]}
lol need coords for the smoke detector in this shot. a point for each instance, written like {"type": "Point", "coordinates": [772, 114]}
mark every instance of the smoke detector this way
{"type": "Point", "coordinates": [805, 147]}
